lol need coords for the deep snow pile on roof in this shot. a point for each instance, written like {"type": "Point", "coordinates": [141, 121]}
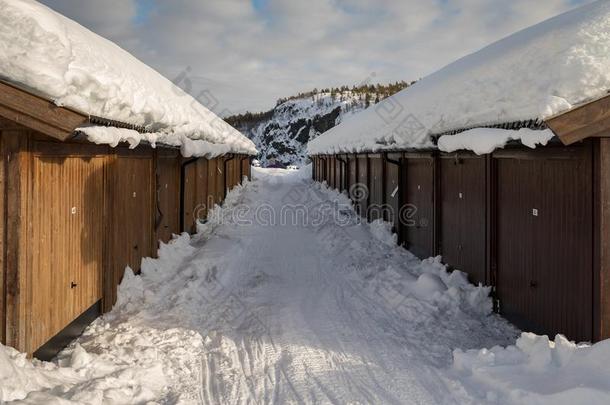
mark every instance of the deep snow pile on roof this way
{"type": "Point", "coordinates": [533, 74]}
{"type": "Point", "coordinates": [53, 55]}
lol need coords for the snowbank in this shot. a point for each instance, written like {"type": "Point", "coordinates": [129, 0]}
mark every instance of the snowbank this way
{"type": "Point", "coordinates": [533, 74]}
{"type": "Point", "coordinates": [486, 140]}
{"type": "Point", "coordinates": [536, 371]}
{"type": "Point", "coordinates": [118, 365]}
{"type": "Point", "coordinates": [53, 55]}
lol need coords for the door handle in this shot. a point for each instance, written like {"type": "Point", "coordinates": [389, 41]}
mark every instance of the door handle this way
{"type": "Point", "coordinates": [73, 285]}
{"type": "Point", "coordinates": [533, 284]}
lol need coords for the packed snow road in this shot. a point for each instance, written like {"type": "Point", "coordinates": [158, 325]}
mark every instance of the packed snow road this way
{"type": "Point", "coordinates": [285, 297]}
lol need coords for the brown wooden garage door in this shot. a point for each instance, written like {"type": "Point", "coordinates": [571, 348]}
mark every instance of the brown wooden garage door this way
{"type": "Point", "coordinates": [67, 241]}
{"type": "Point", "coordinates": [133, 217]}
{"type": "Point", "coordinates": [168, 195]}
{"type": "Point", "coordinates": [196, 199]}
{"type": "Point", "coordinates": [544, 240]}
{"type": "Point", "coordinates": [352, 172]}
{"type": "Point", "coordinates": [245, 168]}
{"type": "Point", "coordinates": [376, 187]}
{"type": "Point", "coordinates": [332, 172]}
{"type": "Point", "coordinates": [418, 194]}
{"type": "Point", "coordinates": [392, 190]}
{"type": "Point", "coordinates": [361, 192]}
{"type": "Point", "coordinates": [462, 239]}
{"type": "Point", "coordinates": [338, 174]}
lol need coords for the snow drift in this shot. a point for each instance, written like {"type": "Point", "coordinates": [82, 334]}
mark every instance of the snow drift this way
{"type": "Point", "coordinates": [538, 371]}
{"type": "Point", "coordinates": [54, 56]}
{"type": "Point", "coordinates": [534, 74]}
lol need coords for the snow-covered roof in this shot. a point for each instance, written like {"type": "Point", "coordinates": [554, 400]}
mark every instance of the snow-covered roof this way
{"type": "Point", "coordinates": [531, 75]}
{"type": "Point", "coordinates": [54, 56]}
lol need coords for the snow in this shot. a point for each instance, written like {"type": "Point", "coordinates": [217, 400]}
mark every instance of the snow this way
{"type": "Point", "coordinates": [258, 308]}
{"type": "Point", "coordinates": [534, 74]}
{"type": "Point", "coordinates": [485, 140]}
{"type": "Point", "coordinates": [538, 371]}
{"type": "Point", "coordinates": [52, 55]}
{"type": "Point", "coordinates": [188, 147]}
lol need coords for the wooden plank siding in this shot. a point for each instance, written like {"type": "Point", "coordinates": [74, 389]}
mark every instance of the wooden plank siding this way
{"type": "Point", "coordinates": [361, 192]}
{"type": "Point", "coordinates": [331, 172]}
{"type": "Point", "coordinates": [74, 215]}
{"type": "Point", "coordinates": [245, 168]}
{"type": "Point", "coordinates": [586, 121]}
{"type": "Point", "coordinates": [67, 240]}
{"type": "Point", "coordinates": [132, 218]}
{"type": "Point", "coordinates": [220, 176]}
{"type": "Point", "coordinates": [37, 113]}
{"type": "Point", "coordinates": [199, 185]}
{"type": "Point", "coordinates": [168, 170]}
{"type": "Point", "coordinates": [3, 219]}
{"type": "Point", "coordinates": [392, 190]}
{"type": "Point", "coordinates": [418, 194]}
{"type": "Point", "coordinates": [463, 214]}
{"type": "Point", "coordinates": [601, 253]}
{"type": "Point", "coordinates": [15, 166]}
{"type": "Point", "coordinates": [338, 173]}
{"type": "Point", "coordinates": [376, 210]}
{"type": "Point", "coordinates": [352, 175]}
{"type": "Point", "coordinates": [544, 240]}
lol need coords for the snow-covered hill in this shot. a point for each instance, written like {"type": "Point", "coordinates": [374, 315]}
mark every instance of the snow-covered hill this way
{"type": "Point", "coordinates": [281, 135]}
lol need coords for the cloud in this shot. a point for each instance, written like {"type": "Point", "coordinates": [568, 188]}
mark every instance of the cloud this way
{"type": "Point", "coordinates": [246, 57]}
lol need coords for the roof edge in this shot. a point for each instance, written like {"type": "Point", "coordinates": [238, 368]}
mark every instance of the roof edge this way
{"type": "Point", "coordinates": [587, 120]}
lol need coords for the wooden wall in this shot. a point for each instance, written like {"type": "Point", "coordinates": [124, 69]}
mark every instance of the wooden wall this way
{"type": "Point", "coordinates": [168, 219]}
{"type": "Point", "coordinates": [133, 191]}
{"type": "Point", "coordinates": [462, 216]}
{"type": "Point", "coordinates": [418, 192]}
{"type": "Point", "coordinates": [392, 189]}
{"type": "Point", "coordinates": [533, 224]}
{"type": "Point", "coordinates": [361, 191]}
{"type": "Point", "coordinates": [67, 215]}
{"type": "Point", "coordinates": [198, 185]}
{"type": "Point", "coordinates": [376, 187]}
{"type": "Point", "coordinates": [544, 240]}
{"type": "Point", "coordinates": [352, 172]}
{"type": "Point", "coordinates": [75, 215]}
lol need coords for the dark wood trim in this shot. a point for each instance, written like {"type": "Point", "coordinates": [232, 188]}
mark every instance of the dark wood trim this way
{"type": "Point", "coordinates": [586, 121]}
{"type": "Point", "coordinates": [420, 155]}
{"type": "Point", "coordinates": [601, 274]}
{"type": "Point", "coordinates": [108, 286]}
{"type": "Point", "coordinates": [143, 151]}
{"type": "Point", "coordinates": [37, 113]}
{"type": "Point", "coordinates": [3, 250]}
{"type": "Point", "coordinates": [154, 204]}
{"type": "Point", "coordinates": [56, 149]}
{"type": "Point", "coordinates": [436, 202]}
{"type": "Point", "coordinates": [490, 223]}
{"type": "Point", "coordinates": [76, 328]}
{"type": "Point", "coordinates": [14, 321]}
{"type": "Point", "coordinates": [550, 152]}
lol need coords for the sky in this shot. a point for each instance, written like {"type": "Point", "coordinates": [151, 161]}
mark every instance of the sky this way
{"type": "Point", "coordinates": [242, 55]}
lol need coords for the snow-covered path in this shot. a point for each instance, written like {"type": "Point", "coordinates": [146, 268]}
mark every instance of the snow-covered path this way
{"type": "Point", "coordinates": [285, 297]}
{"type": "Point", "coordinates": [324, 310]}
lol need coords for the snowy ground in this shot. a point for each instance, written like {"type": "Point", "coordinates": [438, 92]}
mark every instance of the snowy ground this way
{"type": "Point", "coordinates": [259, 309]}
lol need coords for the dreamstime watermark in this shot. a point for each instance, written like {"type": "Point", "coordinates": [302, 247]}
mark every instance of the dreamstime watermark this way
{"type": "Point", "coordinates": [202, 97]}
{"type": "Point", "coordinates": [310, 207]}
